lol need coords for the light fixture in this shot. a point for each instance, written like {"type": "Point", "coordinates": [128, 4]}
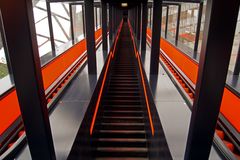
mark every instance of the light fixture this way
{"type": "Point", "coordinates": [124, 4]}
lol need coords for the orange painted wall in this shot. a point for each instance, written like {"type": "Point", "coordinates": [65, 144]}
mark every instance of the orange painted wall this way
{"type": "Point", "coordinates": [9, 106]}
{"type": "Point", "coordinates": [230, 107]}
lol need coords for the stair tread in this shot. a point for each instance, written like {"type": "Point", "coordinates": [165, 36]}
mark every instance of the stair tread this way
{"type": "Point", "coordinates": [123, 149]}
{"type": "Point", "coordinates": [122, 139]}
{"type": "Point", "coordinates": [122, 158]}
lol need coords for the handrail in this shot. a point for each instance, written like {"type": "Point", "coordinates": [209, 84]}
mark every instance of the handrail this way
{"type": "Point", "coordinates": [111, 56]}
{"type": "Point", "coordinates": [143, 80]}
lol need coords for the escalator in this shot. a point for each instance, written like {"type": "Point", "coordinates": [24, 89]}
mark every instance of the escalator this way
{"type": "Point", "coordinates": [122, 127]}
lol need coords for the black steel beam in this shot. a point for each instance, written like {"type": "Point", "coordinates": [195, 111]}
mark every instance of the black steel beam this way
{"type": "Point", "coordinates": [104, 27]}
{"type": "Point", "coordinates": [156, 35]}
{"type": "Point", "coordinates": [110, 23]}
{"type": "Point", "coordinates": [22, 44]}
{"type": "Point", "coordinates": [136, 20]}
{"type": "Point", "coordinates": [71, 24]}
{"type": "Point", "coordinates": [96, 18]}
{"type": "Point", "coordinates": [83, 18]}
{"type": "Point", "coordinates": [139, 28]}
{"type": "Point", "coordinates": [166, 23]}
{"type": "Point", "coordinates": [150, 20]}
{"type": "Point", "coordinates": [144, 26]}
{"type": "Point", "coordinates": [90, 36]}
{"type": "Point", "coordinates": [213, 67]}
{"type": "Point", "coordinates": [198, 27]}
{"type": "Point", "coordinates": [178, 24]}
{"type": "Point", "coordinates": [49, 15]}
{"type": "Point", "coordinates": [237, 64]}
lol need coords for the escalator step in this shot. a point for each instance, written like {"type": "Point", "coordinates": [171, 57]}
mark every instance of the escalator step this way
{"type": "Point", "coordinates": [120, 93]}
{"type": "Point", "coordinates": [120, 142]}
{"type": "Point", "coordinates": [121, 102]}
{"type": "Point", "coordinates": [220, 134]}
{"type": "Point", "coordinates": [122, 152]}
{"type": "Point", "coordinates": [229, 145]}
{"type": "Point", "coordinates": [120, 133]}
{"type": "Point", "coordinates": [120, 126]}
{"type": "Point", "coordinates": [126, 97]}
{"type": "Point", "coordinates": [126, 158]}
{"type": "Point", "coordinates": [122, 119]}
{"type": "Point", "coordinates": [124, 113]}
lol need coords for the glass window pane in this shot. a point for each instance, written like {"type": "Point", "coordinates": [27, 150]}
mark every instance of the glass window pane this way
{"type": "Point", "coordinates": [78, 22]}
{"type": "Point", "coordinates": [6, 80]}
{"type": "Point", "coordinates": [98, 18]}
{"type": "Point", "coordinates": [188, 24]}
{"type": "Point", "coordinates": [236, 45]}
{"type": "Point", "coordinates": [61, 27]}
{"type": "Point", "coordinates": [172, 22]}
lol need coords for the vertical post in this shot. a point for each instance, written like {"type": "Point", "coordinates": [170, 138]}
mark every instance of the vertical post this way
{"type": "Point", "coordinates": [136, 20]}
{"type": "Point", "coordinates": [178, 24]}
{"type": "Point", "coordinates": [83, 18]}
{"type": "Point", "coordinates": [96, 18]}
{"type": "Point", "coordinates": [104, 26]}
{"type": "Point", "coordinates": [90, 36]}
{"type": "Point", "coordinates": [166, 25]}
{"type": "Point", "coordinates": [110, 23]}
{"type": "Point", "coordinates": [237, 65]}
{"type": "Point", "coordinates": [139, 28]}
{"type": "Point", "coordinates": [71, 23]}
{"type": "Point", "coordinates": [20, 35]}
{"type": "Point", "coordinates": [151, 17]}
{"type": "Point", "coordinates": [198, 27]}
{"type": "Point", "coordinates": [113, 21]}
{"type": "Point", "coordinates": [156, 35]}
{"type": "Point", "coordinates": [50, 28]}
{"type": "Point", "coordinates": [213, 67]}
{"type": "Point", "coordinates": [144, 26]}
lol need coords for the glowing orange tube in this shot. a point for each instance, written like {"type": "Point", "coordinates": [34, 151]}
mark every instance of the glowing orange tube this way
{"type": "Point", "coordinates": [100, 95]}
{"type": "Point", "coordinates": [143, 83]}
{"type": "Point", "coordinates": [146, 97]}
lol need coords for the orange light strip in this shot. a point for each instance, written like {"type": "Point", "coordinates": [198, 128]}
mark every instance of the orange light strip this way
{"type": "Point", "coordinates": [143, 82]}
{"type": "Point", "coordinates": [103, 82]}
{"type": "Point", "coordinates": [100, 95]}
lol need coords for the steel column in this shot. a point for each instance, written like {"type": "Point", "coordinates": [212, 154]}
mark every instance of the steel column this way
{"type": "Point", "coordinates": [71, 23]}
{"type": "Point", "coordinates": [156, 35]}
{"type": "Point", "coordinates": [139, 28]}
{"type": "Point", "coordinates": [166, 25]}
{"type": "Point", "coordinates": [198, 27]}
{"type": "Point", "coordinates": [144, 26]}
{"type": "Point", "coordinates": [150, 17]}
{"type": "Point", "coordinates": [237, 64]}
{"type": "Point", "coordinates": [90, 36]}
{"type": "Point", "coordinates": [178, 24]}
{"type": "Point", "coordinates": [96, 19]}
{"type": "Point", "coordinates": [49, 15]}
{"type": "Point", "coordinates": [136, 21]}
{"type": "Point", "coordinates": [113, 21]}
{"type": "Point", "coordinates": [104, 27]}
{"type": "Point", "coordinates": [110, 23]}
{"type": "Point", "coordinates": [22, 44]}
{"type": "Point", "coordinates": [213, 67]}
{"type": "Point", "coordinates": [83, 18]}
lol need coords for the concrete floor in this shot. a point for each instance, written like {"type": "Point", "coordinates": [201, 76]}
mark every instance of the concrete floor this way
{"type": "Point", "coordinates": [67, 116]}
{"type": "Point", "coordinates": [172, 109]}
